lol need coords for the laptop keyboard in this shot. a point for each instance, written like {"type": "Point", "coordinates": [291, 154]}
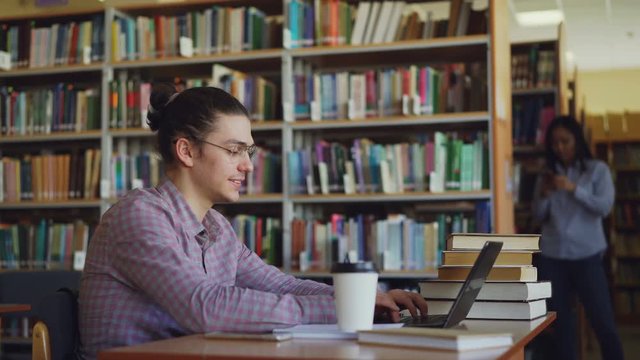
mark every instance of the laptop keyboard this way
{"type": "Point", "coordinates": [428, 321]}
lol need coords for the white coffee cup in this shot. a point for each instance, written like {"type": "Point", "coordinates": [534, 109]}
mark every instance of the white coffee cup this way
{"type": "Point", "coordinates": [355, 286]}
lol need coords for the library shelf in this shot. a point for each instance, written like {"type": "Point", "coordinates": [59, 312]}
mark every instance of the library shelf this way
{"type": "Point", "coordinates": [54, 136]}
{"type": "Point", "coordinates": [550, 90]}
{"type": "Point", "coordinates": [398, 197]}
{"type": "Point", "coordinates": [62, 204]}
{"type": "Point", "coordinates": [259, 198]}
{"type": "Point", "coordinates": [51, 70]}
{"type": "Point", "coordinates": [436, 43]}
{"type": "Point", "coordinates": [528, 150]}
{"type": "Point", "coordinates": [447, 118]}
{"type": "Point", "coordinates": [243, 56]}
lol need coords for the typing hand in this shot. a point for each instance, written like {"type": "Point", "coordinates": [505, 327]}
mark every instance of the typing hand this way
{"type": "Point", "coordinates": [388, 304]}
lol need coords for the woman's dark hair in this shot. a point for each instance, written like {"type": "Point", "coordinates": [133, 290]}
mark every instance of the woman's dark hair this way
{"type": "Point", "coordinates": [191, 114]}
{"type": "Point", "coordinates": [570, 124]}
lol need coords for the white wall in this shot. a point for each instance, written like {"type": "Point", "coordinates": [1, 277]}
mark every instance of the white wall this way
{"type": "Point", "coordinates": [610, 90]}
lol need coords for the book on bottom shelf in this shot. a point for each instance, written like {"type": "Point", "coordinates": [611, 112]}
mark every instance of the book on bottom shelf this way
{"type": "Point", "coordinates": [447, 339]}
{"type": "Point", "coordinates": [500, 291]}
{"type": "Point", "coordinates": [496, 310]}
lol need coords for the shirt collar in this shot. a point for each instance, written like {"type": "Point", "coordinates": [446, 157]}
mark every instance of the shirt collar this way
{"type": "Point", "coordinates": [182, 210]}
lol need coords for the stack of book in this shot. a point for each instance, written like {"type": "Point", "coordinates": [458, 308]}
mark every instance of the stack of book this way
{"type": "Point", "coordinates": [512, 290]}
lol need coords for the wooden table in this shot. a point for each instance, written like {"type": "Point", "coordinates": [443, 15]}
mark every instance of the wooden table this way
{"type": "Point", "coordinates": [197, 347]}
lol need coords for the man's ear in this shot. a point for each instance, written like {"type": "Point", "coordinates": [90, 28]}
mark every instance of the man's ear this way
{"type": "Point", "coordinates": [184, 152]}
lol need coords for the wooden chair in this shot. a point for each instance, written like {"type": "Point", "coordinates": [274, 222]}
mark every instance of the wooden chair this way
{"type": "Point", "coordinates": [55, 335]}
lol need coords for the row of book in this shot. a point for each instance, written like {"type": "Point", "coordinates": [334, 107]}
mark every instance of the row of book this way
{"type": "Point", "coordinates": [626, 155]}
{"type": "Point", "coordinates": [531, 117]}
{"type": "Point", "coordinates": [16, 327]}
{"type": "Point", "coordinates": [334, 22]}
{"type": "Point", "coordinates": [213, 30]}
{"type": "Point", "coordinates": [396, 242]}
{"type": "Point", "coordinates": [627, 302]}
{"type": "Point", "coordinates": [627, 214]}
{"type": "Point", "coordinates": [73, 42]}
{"type": "Point", "coordinates": [411, 90]}
{"type": "Point", "coordinates": [262, 235]}
{"type": "Point", "coordinates": [628, 183]}
{"type": "Point", "coordinates": [144, 168]}
{"type": "Point", "coordinates": [129, 95]}
{"type": "Point", "coordinates": [50, 177]}
{"type": "Point", "coordinates": [535, 69]}
{"type": "Point", "coordinates": [512, 290]}
{"type": "Point", "coordinates": [627, 272]}
{"type": "Point", "coordinates": [452, 161]}
{"type": "Point", "coordinates": [138, 170]}
{"type": "Point", "coordinates": [258, 95]}
{"type": "Point", "coordinates": [525, 175]}
{"type": "Point", "coordinates": [625, 244]}
{"type": "Point", "coordinates": [42, 245]}
{"type": "Point", "coordinates": [42, 110]}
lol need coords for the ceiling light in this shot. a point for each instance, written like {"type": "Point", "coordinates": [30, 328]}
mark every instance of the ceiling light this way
{"type": "Point", "coordinates": [539, 17]}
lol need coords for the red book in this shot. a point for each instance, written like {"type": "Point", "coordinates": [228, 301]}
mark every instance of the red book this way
{"type": "Point", "coordinates": [73, 45]}
{"type": "Point", "coordinates": [159, 24]}
{"type": "Point", "coordinates": [259, 236]}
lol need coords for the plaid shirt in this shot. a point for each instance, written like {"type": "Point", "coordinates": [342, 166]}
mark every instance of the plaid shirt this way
{"type": "Point", "coordinates": [153, 271]}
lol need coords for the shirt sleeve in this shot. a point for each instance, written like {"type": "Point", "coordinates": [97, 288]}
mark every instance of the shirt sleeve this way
{"type": "Point", "coordinates": [148, 256]}
{"type": "Point", "coordinates": [540, 205]}
{"type": "Point", "coordinates": [255, 274]}
{"type": "Point", "coordinates": [600, 199]}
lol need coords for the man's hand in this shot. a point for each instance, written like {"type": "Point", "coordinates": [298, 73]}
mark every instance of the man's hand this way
{"type": "Point", "coordinates": [389, 304]}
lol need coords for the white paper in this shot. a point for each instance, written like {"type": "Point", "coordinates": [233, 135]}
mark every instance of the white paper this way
{"type": "Point", "coordinates": [287, 110]}
{"type": "Point", "coordinates": [78, 260]}
{"type": "Point", "coordinates": [186, 46]}
{"type": "Point", "coordinates": [5, 60]}
{"type": "Point", "coordinates": [316, 112]}
{"type": "Point", "coordinates": [105, 189]}
{"type": "Point", "coordinates": [328, 331]}
{"type": "Point", "coordinates": [86, 55]}
{"type": "Point", "coordinates": [137, 184]}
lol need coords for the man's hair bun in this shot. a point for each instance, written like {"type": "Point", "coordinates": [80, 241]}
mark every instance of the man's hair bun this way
{"type": "Point", "coordinates": [160, 96]}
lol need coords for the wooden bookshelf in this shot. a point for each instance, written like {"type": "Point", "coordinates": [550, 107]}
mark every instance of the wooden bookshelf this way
{"type": "Point", "coordinates": [280, 132]}
{"type": "Point", "coordinates": [622, 153]}
{"type": "Point", "coordinates": [537, 97]}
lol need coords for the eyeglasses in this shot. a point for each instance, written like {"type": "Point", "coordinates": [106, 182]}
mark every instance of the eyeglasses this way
{"type": "Point", "coordinates": [237, 150]}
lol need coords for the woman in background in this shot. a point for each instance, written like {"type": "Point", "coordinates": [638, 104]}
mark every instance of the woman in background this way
{"type": "Point", "coordinates": [570, 201]}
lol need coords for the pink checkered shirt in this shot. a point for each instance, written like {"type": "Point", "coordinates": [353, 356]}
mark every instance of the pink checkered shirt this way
{"type": "Point", "coordinates": [153, 271]}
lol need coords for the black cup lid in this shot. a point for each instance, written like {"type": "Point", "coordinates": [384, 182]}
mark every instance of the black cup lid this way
{"type": "Point", "coordinates": [355, 267]}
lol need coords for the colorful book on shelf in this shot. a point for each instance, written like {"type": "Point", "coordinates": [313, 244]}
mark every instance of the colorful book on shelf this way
{"type": "Point", "coordinates": [497, 291]}
{"type": "Point", "coordinates": [496, 310]}
{"type": "Point", "coordinates": [475, 241]}
{"type": "Point", "coordinates": [498, 273]}
{"type": "Point", "coordinates": [446, 339]}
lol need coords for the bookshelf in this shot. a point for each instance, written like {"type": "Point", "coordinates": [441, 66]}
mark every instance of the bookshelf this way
{"type": "Point", "coordinates": [536, 98]}
{"type": "Point", "coordinates": [121, 69]}
{"type": "Point", "coordinates": [620, 147]}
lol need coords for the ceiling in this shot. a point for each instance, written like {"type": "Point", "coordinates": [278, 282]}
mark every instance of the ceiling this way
{"type": "Point", "coordinates": [601, 34]}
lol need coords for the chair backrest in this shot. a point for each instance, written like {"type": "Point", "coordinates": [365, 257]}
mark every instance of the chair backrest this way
{"type": "Point", "coordinates": [59, 312]}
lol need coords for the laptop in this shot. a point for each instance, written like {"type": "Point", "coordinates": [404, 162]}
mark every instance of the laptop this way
{"type": "Point", "coordinates": [468, 292]}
